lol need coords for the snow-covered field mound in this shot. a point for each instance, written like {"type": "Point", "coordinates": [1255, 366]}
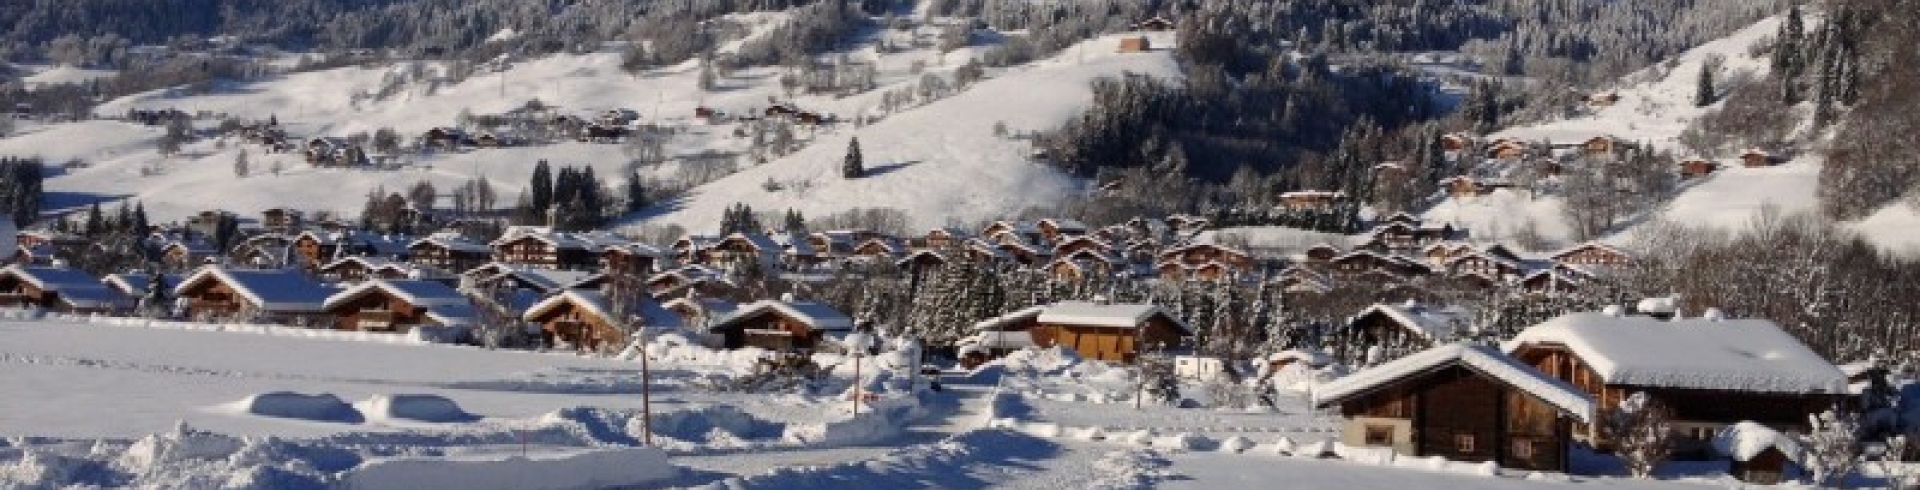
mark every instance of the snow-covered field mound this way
{"type": "Point", "coordinates": [416, 408]}
{"type": "Point", "coordinates": [289, 405]}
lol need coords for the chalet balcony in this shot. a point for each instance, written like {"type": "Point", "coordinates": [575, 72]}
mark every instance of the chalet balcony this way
{"type": "Point", "coordinates": [378, 320]}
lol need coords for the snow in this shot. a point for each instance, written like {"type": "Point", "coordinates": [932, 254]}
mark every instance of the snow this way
{"type": "Point", "coordinates": [1481, 359]}
{"type": "Point", "coordinates": [1732, 355]}
{"type": "Point", "coordinates": [619, 467]}
{"type": "Point", "coordinates": [413, 407]}
{"type": "Point", "coordinates": [61, 74]}
{"type": "Point", "coordinates": [1003, 322]}
{"type": "Point", "coordinates": [313, 407]}
{"type": "Point", "coordinates": [1742, 441]}
{"type": "Point", "coordinates": [1428, 323]}
{"type": "Point", "coordinates": [646, 309]}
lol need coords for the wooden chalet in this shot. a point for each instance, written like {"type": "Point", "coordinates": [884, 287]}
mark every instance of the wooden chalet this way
{"type": "Point", "coordinates": [1510, 150]}
{"type": "Point", "coordinates": [780, 326]}
{"type": "Point", "coordinates": [1455, 142]}
{"type": "Point", "coordinates": [632, 259]}
{"type": "Point", "coordinates": [58, 289]}
{"type": "Point", "coordinates": [1107, 332]}
{"type": "Point", "coordinates": [1464, 186]}
{"type": "Point", "coordinates": [1490, 262]}
{"type": "Point", "coordinates": [1001, 231]}
{"type": "Point", "coordinates": [1591, 254]}
{"type": "Point", "coordinates": [542, 248]}
{"type": "Point", "coordinates": [1410, 325]}
{"type": "Point", "coordinates": [696, 278]}
{"type": "Point", "coordinates": [1360, 262]}
{"type": "Point", "coordinates": [399, 305]}
{"type": "Point", "coordinates": [698, 311]}
{"type": "Point", "coordinates": [1155, 23]}
{"type": "Point", "coordinates": [1463, 403]}
{"type": "Point", "coordinates": [1075, 244]}
{"type": "Point", "coordinates": [1310, 200]}
{"type": "Point", "coordinates": [1557, 280]}
{"type": "Point", "coordinates": [1693, 168]}
{"type": "Point", "coordinates": [186, 255]}
{"type": "Point", "coordinates": [945, 238]}
{"type": "Point", "coordinates": [1604, 147]}
{"type": "Point", "coordinates": [586, 320]}
{"type": "Point", "coordinates": [1712, 372]}
{"type": "Point", "coordinates": [357, 269]}
{"type": "Point", "coordinates": [922, 261]}
{"type": "Point", "coordinates": [1135, 44]}
{"type": "Point", "coordinates": [745, 251]}
{"type": "Point", "coordinates": [1277, 361]}
{"type": "Point", "coordinates": [281, 219]}
{"type": "Point", "coordinates": [1203, 253]}
{"type": "Point", "coordinates": [134, 285]}
{"type": "Point", "coordinates": [448, 252]}
{"type": "Point", "coordinates": [1321, 252]}
{"type": "Point", "coordinates": [1054, 230]}
{"type": "Point", "coordinates": [1755, 157]}
{"type": "Point", "coordinates": [272, 296]}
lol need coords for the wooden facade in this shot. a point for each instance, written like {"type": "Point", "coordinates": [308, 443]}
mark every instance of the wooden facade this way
{"type": "Point", "coordinates": [770, 329]}
{"type": "Point", "coordinates": [1592, 254]}
{"type": "Point", "coordinates": [1461, 415]}
{"type": "Point", "coordinates": [1136, 44]}
{"type": "Point", "coordinates": [377, 310]}
{"type": "Point", "coordinates": [447, 257]}
{"type": "Point", "coordinates": [575, 324]}
{"type": "Point", "coordinates": [537, 252]}
{"type": "Point", "coordinates": [1107, 343]}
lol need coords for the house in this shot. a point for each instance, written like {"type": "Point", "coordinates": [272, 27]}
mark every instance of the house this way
{"type": "Point", "coordinates": [1697, 167]}
{"type": "Point", "coordinates": [1001, 231]}
{"type": "Point", "coordinates": [1277, 361]}
{"type": "Point", "coordinates": [273, 296]}
{"type": "Point", "coordinates": [1202, 253]}
{"type": "Point", "coordinates": [187, 254]}
{"type": "Point", "coordinates": [357, 269]}
{"type": "Point", "coordinates": [1302, 280]}
{"type": "Point", "coordinates": [399, 305]}
{"type": "Point", "coordinates": [1076, 244]}
{"type": "Point", "coordinates": [448, 251]}
{"type": "Point", "coordinates": [1310, 200]}
{"type": "Point", "coordinates": [58, 289]}
{"type": "Point", "coordinates": [1405, 327]}
{"type": "Point", "coordinates": [945, 238]}
{"type": "Point", "coordinates": [921, 261]}
{"type": "Point", "coordinates": [1455, 142]}
{"type": "Point", "coordinates": [1755, 157]}
{"type": "Point", "coordinates": [1463, 186]}
{"type": "Point", "coordinates": [1507, 149]}
{"type": "Point", "coordinates": [1553, 281]}
{"type": "Point", "coordinates": [780, 325]}
{"type": "Point", "coordinates": [1135, 44]}
{"type": "Point", "coordinates": [1107, 332]}
{"type": "Point", "coordinates": [745, 251]}
{"type": "Point", "coordinates": [542, 281]}
{"type": "Point", "coordinates": [1757, 454]}
{"type": "Point", "coordinates": [1591, 254]}
{"type": "Point", "coordinates": [699, 278]}
{"type": "Point", "coordinates": [589, 321]}
{"type": "Point", "coordinates": [541, 247]}
{"type": "Point", "coordinates": [1054, 229]}
{"type": "Point", "coordinates": [636, 259]}
{"type": "Point", "coordinates": [1463, 403]}
{"type": "Point", "coordinates": [1605, 147]}
{"type": "Point", "coordinates": [1321, 252]}
{"type": "Point", "coordinates": [697, 311]}
{"type": "Point", "coordinates": [1712, 371]}
{"type": "Point", "coordinates": [281, 219]}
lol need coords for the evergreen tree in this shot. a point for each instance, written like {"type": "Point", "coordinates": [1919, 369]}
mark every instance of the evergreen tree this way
{"type": "Point", "coordinates": [795, 223]}
{"type": "Point", "coordinates": [854, 167]}
{"type": "Point", "coordinates": [542, 188]}
{"type": "Point", "coordinates": [96, 222]}
{"type": "Point", "coordinates": [240, 164]}
{"type": "Point", "coordinates": [636, 193]}
{"type": "Point", "coordinates": [1703, 90]}
{"type": "Point", "coordinates": [1789, 58]}
{"type": "Point", "coordinates": [139, 222]}
{"type": "Point", "coordinates": [156, 303]}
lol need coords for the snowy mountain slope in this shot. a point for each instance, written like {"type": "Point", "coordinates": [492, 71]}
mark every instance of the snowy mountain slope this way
{"type": "Point", "coordinates": [940, 163]}
{"type": "Point", "coordinates": [1655, 106]}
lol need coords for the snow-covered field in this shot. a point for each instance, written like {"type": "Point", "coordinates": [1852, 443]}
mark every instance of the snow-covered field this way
{"type": "Point", "coordinates": [173, 406]}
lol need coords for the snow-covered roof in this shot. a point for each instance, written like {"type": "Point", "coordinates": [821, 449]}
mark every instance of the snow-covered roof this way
{"type": "Point", "coordinates": [1109, 315]}
{"type": "Point", "coordinates": [650, 313]}
{"type": "Point", "coordinates": [817, 316]}
{"type": "Point", "coordinates": [711, 307]}
{"type": "Point", "coordinates": [452, 241]}
{"type": "Point", "coordinates": [414, 291]}
{"type": "Point", "coordinates": [76, 288]}
{"type": "Point", "coordinates": [1309, 357]}
{"type": "Point", "coordinates": [268, 289]}
{"type": "Point", "coordinates": [998, 339]}
{"type": "Point", "coordinates": [136, 282]}
{"type": "Point", "coordinates": [1433, 324]}
{"type": "Point", "coordinates": [1733, 355]}
{"type": "Point", "coordinates": [1002, 322]}
{"type": "Point", "coordinates": [1481, 359]}
{"type": "Point", "coordinates": [1744, 440]}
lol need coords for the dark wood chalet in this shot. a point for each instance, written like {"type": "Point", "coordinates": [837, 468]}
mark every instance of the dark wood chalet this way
{"type": "Point", "coordinates": [1462, 403]}
{"type": "Point", "coordinates": [1591, 254]}
{"type": "Point", "coordinates": [272, 296]}
{"type": "Point", "coordinates": [586, 320]}
{"type": "Point", "coordinates": [448, 252]}
{"type": "Point", "coordinates": [399, 305]}
{"type": "Point", "coordinates": [780, 325]}
{"type": "Point", "coordinates": [1712, 371]}
{"type": "Point", "coordinates": [544, 250]}
{"type": "Point", "coordinates": [632, 259]}
{"type": "Point", "coordinates": [57, 289]}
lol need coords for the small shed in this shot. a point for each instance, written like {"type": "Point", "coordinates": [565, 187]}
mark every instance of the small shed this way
{"type": "Point", "coordinates": [1135, 44]}
{"type": "Point", "coordinates": [1757, 454]}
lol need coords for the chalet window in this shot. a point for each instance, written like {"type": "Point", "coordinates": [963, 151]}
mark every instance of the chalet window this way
{"type": "Point", "coordinates": [1463, 443]}
{"type": "Point", "coordinates": [1523, 448]}
{"type": "Point", "coordinates": [1379, 435]}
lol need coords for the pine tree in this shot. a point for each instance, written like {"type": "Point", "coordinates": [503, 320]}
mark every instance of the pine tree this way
{"type": "Point", "coordinates": [240, 164]}
{"type": "Point", "coordinates": [1789, 57]}
{"type": "Point", "coordinates": [96, 222]}
{"type": "Point", "coordinates": [542, 187]}
{"type": "Point", "coordinates": [1703, 91]}
{"type": "Point", "coordinates": [854, 167]}
{"type": "Point", "coordinates": [795, 222]}
{"type": "Point", "coordinates": [636, 193]}
{"type": "Point", "coordinates": [139, 222]}
{"type": "Point", "coordinates": [154, 304]}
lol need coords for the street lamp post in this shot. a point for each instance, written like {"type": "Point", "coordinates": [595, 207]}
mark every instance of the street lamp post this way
{"type": "Point", "coordinates": [857, 344]}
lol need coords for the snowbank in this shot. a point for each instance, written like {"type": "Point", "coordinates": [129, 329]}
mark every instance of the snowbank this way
{"type": "Point", "coordinates": [594, 469]}
{"type": "Point", "coordinates": [286, 404]}
{"type": "Point", "coordinates": [420, 408]}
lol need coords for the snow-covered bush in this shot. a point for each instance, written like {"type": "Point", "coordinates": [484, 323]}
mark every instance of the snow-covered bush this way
{"type": "Point", "coordinates": [1832, 447]}
{"type": "Point", "coordinates": [1640, 433]}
